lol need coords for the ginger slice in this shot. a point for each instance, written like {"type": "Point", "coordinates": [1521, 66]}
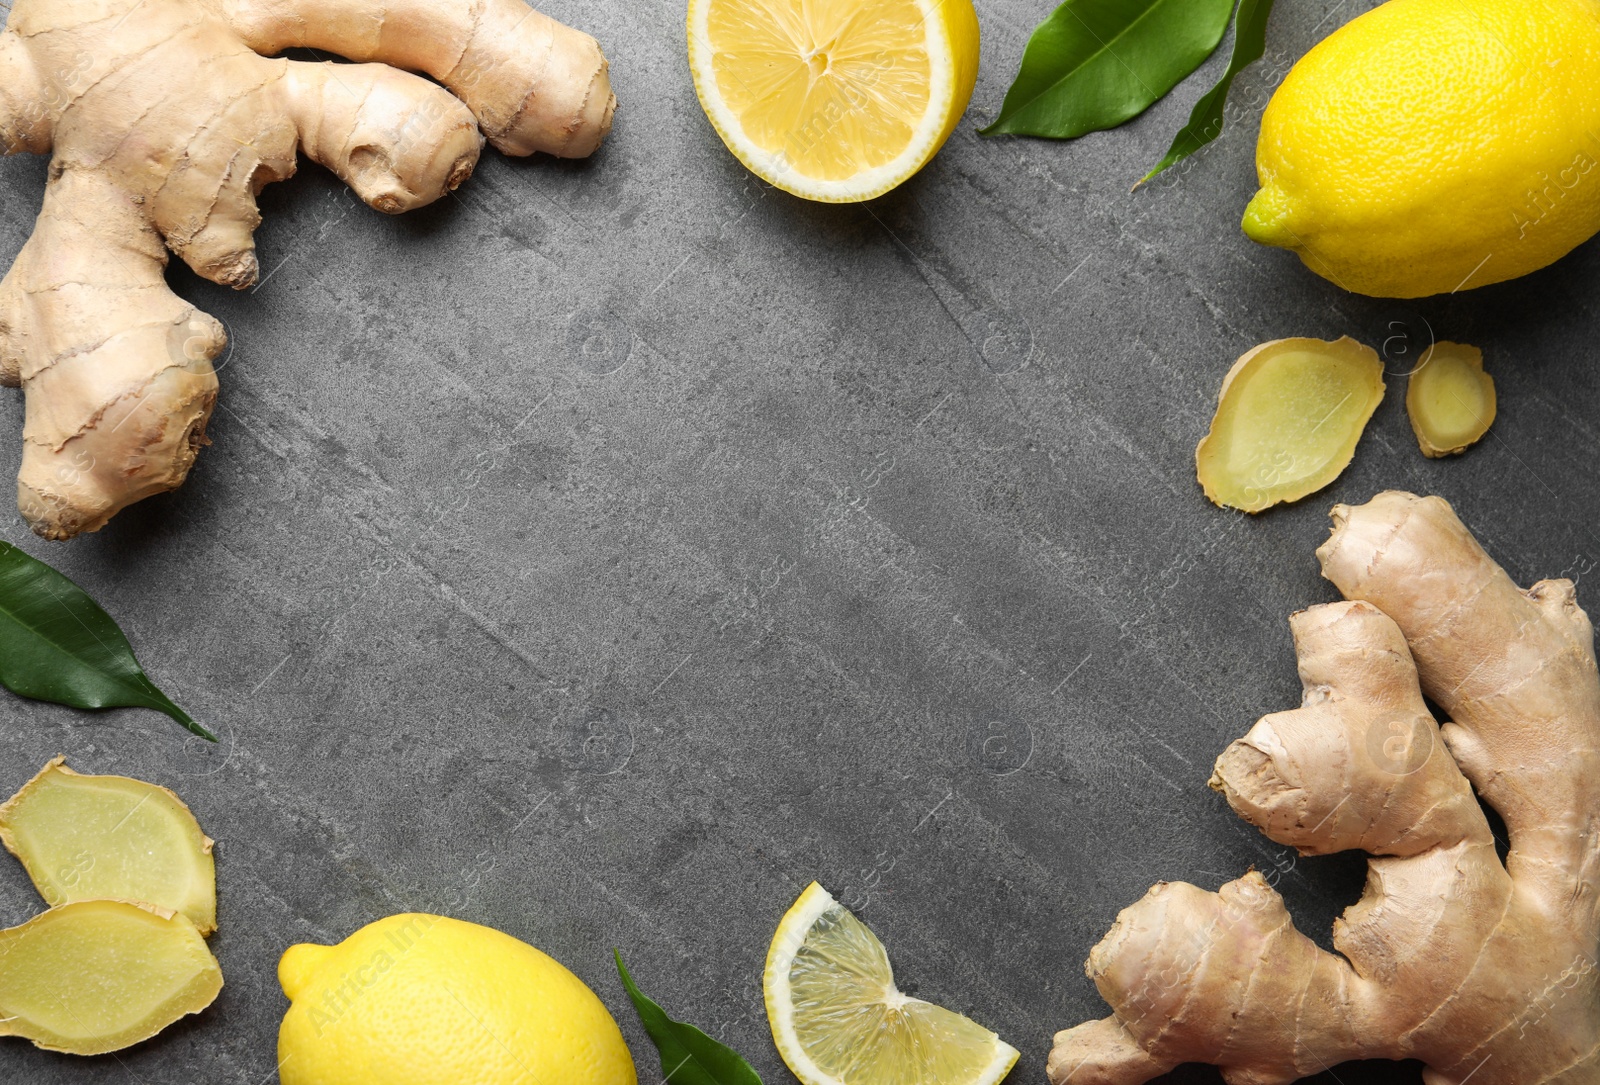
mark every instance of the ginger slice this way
{"type": "Point", "coordinates": [110, 837]}
{"type": "Point", "coordinates": [1288, 418]}
{"type": "Point", "coordinates": [101, 975]}
{"type": "Point", "coordinates": [1450, 400]}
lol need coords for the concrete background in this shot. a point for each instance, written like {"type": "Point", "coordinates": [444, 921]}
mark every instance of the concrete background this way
{"type": "Point", "coordinates": [611, 550]}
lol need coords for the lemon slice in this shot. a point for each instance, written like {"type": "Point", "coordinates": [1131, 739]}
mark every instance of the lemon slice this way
{"type": "Point", "coordinates": [834, 100]}
{"type": "Point", "coordinates": [838, 1018]}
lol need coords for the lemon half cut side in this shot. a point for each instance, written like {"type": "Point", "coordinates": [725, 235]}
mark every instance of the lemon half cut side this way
{"type": "Point", "coordinates": [838, 1018]}
{"type": "Point", "coordinates": [834, 100]}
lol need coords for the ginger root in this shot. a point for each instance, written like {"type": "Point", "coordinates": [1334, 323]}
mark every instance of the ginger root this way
{"type": "Point", "coordinates": [165, 119]}
{"type": "Point", "coordinates": [1480, 970]}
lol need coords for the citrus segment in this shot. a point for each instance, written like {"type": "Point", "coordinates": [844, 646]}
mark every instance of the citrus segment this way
{"type": "Point", "coordinates": [839, 1019]}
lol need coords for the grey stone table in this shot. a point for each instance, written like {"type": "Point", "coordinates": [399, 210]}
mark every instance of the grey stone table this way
{"type": "Point", "coordinates": [607, 552]}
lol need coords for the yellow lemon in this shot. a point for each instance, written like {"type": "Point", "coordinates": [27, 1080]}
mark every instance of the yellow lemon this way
{"type": "Point", "coordinates": [838, 1018]}
{"type": "Point", "coordinates": [424, 1000]}
{"type": "Point", "coordinates": [1430, 146]}
{"type": "Point", "coordinates": [834, 100]}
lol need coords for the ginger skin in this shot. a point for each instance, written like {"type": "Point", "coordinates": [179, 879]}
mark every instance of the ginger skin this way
{"type": "Point", "coordinates": [1480, 970]}
{"type": "Point", "coordinates": [165, 119]}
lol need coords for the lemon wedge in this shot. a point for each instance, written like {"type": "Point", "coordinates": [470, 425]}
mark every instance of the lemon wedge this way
{"type": "Point", "coordinates": [834, 100]}
{"type": "Point", "coordinates": [838, 1018]}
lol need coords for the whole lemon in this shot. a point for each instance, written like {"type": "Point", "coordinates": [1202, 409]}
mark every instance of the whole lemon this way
{"type": "Point", "coordinates": [425, 1000]}
{"type": "Point", "coordinates": [1434, 145]}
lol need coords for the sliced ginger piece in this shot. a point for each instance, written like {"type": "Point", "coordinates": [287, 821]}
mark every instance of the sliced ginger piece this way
{"type": "Point", "coordinates": [1287, 422]}
{"type": "Point", "coordinates": [101, 975]}
{"type": "Point", "coordinates": [1450, 400]}
{"type": "Point", "coordinates": [111, 837]}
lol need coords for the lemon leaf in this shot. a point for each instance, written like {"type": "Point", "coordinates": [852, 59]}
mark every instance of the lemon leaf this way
{"type": "Point", "coordinates": [1209, 113]}
{"type": "Point", "coordinates": [56, 644]}
{"type": "Point", "coordinates": [688, 1056]}
{"type": "Point", "coordinates": [1094, 64]}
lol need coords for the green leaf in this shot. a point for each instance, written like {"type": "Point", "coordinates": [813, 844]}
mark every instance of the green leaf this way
{"type": "Point", "coordinates": [1094, 64]}
{"type": "Point", "coordinates": [1205, 122]}
{"type": "Point", "coordinates": [56, 644]}
{"type": "Point", "coordinates": [688, 1056]}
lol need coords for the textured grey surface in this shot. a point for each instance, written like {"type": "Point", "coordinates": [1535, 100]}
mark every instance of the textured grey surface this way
{"type": "Point", "coordinates": [609, 551]}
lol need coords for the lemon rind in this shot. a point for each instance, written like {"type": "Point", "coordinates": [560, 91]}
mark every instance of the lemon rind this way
{"type": "Point", "coordinates": [786, 942]}
{"type": "Point", "coordinates": [929, 136]}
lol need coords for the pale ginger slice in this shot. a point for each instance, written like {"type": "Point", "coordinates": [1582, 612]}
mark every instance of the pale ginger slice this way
{"type": "Point", "coordinates": [1288, 419]}
{"type": "Point", "coordinates": [1450, 400]}
{"type": "Point", "coordinates": [101, 975]}
{"type": "Point", "coordinates": [164, 121]}
{"type": "Point", "coordinates": [1482, 971]}
{"type": "Point", "coordinates": [92, 837]}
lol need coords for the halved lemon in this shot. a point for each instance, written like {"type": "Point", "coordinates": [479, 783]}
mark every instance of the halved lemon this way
{"type": "Point", "coordinates": [838, 1018]}
{"type": "Point", "coordinates": [834, 100]}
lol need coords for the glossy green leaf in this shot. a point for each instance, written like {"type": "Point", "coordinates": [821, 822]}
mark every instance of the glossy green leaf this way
{"type": "Point", "coordinates": [1205, 122]}
{"type": "Point", "coordinates": [1094, 64]}
{"type": "Point", "coordinates": [56, 644]}
{"type": "Point", "coordinates": [688, 1056]}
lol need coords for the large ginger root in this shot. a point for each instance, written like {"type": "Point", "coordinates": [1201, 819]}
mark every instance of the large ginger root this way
{"type": "Point", "coordinates": [1481, 970]}
{"type": "Point", "coordinates": [165, 119]}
